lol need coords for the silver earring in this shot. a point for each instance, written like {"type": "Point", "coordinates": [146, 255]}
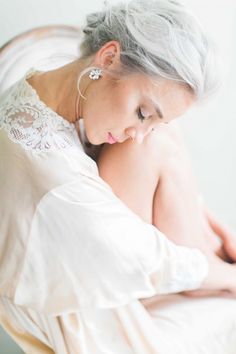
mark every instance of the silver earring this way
{"type": "Point", "coordinates": [95, 74]}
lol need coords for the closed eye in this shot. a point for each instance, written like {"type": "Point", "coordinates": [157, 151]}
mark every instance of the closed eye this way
{"type": "Point", "coordinates": [140, 115]}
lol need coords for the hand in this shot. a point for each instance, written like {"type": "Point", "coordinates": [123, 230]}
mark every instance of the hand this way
{"type": "Point", "coordinates": [220, 282]}
{"type": "Point", "coordinates": [210, 293]}
{"type": "Point", "coordinates": [229, 245]}
{"type": "Point", "coordinates": [227, 236]}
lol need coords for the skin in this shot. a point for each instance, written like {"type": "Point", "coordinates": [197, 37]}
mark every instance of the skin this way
{"type": "Point", "coordinates": [150, 158]}
{"type": "Point", "coordinates": [119, 100]}
{"type": "Point", "coordinates": [160, 187]}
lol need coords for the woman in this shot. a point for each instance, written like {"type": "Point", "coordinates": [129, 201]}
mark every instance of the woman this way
{"type": "Point", "coordinates": [75, 261]}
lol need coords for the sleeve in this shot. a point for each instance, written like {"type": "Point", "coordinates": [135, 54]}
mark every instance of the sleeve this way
{"type": "Point", "coordinates": [86, 249]}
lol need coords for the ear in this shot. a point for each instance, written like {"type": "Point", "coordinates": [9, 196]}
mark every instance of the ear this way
{"type": "Point", "coordinates": [108, 55]}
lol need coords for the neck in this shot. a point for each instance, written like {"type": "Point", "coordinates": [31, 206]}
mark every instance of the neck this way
{"type": "Point", "coordinates": [58, 89]}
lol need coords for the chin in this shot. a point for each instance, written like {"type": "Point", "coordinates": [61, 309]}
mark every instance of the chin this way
{"type": "Point", "coordinates": [93, 140]}
{"type": "Point", "coordinates": [96, 143]}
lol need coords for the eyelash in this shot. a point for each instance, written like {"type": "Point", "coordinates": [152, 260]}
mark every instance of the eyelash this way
{"type": "Point", "coordinates": [140, 116]}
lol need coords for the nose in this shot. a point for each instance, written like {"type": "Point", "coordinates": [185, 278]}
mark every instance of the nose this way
{"type": "Point", "coordinates": [142, 134]}
{"type": "Point", "coordinates": [137, 134]}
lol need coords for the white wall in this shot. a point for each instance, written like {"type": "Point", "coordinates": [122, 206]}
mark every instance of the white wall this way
{"type": "Point", "coordinates": [209, 129]}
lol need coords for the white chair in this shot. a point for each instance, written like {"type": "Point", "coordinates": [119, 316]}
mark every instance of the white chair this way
{"type": "Point", "coordinates": [45, 47]}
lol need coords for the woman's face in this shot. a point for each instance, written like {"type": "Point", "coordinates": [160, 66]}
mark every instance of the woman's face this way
{"type": "Point", "coordinates": [131, 108]}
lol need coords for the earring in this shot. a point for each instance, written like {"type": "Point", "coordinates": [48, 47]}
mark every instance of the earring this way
{"type": "Point", "coordinates": [95, 74]}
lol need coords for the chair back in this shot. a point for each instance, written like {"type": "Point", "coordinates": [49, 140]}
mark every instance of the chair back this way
{"type": "Point", "coordinates": [43, 48]}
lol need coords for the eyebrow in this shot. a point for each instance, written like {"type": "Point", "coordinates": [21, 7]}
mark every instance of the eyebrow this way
{"type": "Point", "coordinates": [156, 106]}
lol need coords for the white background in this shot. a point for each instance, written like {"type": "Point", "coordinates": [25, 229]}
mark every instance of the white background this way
{"type": "Point", "coordinates": [209, 129]}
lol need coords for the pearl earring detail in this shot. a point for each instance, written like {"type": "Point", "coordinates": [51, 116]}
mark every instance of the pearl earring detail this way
{"type": "Point", "coordinates": [95, 74]}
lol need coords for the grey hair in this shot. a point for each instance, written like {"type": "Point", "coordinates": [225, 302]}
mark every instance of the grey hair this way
{"type": "Point", "coordinates": [160, 38]}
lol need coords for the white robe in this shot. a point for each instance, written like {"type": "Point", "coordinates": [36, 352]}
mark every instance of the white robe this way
{"type": "Point", "coordinates": [78, 268]}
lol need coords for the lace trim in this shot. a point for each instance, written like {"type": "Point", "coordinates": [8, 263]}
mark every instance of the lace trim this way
{"type": "Point", "coordinates": [31, 123]}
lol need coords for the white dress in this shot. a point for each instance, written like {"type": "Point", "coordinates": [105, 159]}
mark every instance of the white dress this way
{"type": "Point", "coordinates": [79, 271]}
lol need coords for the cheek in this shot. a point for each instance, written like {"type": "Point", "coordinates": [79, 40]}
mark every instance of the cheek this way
{"type": "Point", "coordinates": [109, 108]}
{"type": "Point", "coordinates": [98, 103]}
{"type": "Point", "coordinates": [123, 108]}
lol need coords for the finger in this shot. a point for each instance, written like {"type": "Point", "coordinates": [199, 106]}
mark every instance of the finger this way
{"type": "Point", "coordinates": [201, 293]}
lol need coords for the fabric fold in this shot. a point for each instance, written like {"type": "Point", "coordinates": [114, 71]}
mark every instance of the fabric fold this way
{"type": "Point", "coordinates": [94, 252]}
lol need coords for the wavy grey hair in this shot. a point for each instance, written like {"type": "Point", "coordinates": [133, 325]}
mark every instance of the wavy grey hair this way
{"type": "Point", "coordinates": [160, 38]}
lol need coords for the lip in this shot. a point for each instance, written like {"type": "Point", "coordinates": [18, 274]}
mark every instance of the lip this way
{"type": "Point", "coordinates": [111, 139]}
